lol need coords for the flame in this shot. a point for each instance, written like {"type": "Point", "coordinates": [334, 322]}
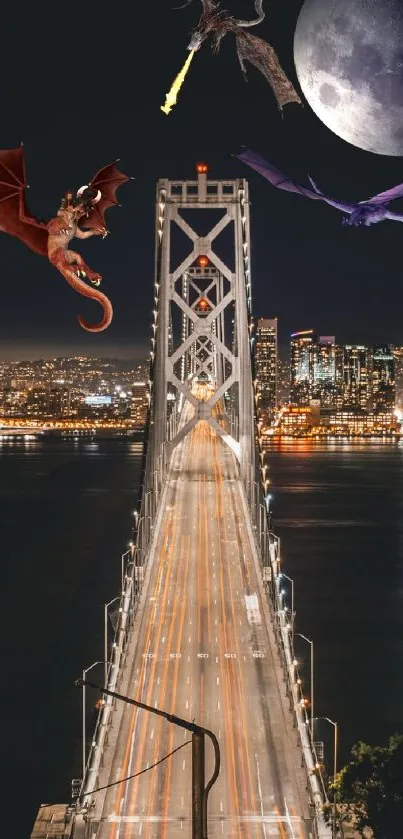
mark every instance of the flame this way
{"type": "Point", "coordinates": [171, 97]}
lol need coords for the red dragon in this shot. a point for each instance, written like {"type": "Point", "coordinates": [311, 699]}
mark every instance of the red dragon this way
{"type": "Point", "coordinates": [81, 215]}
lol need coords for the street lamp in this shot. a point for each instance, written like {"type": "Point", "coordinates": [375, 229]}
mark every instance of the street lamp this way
{"type": "Point", "coordinates": [200, 790]}
{"type": "Point", "coordinates": [312, 696]}
{"type": "Point", "coordinates": [106, 607]}
{"type": "Point", "coordinates": [267, 498]}
{"type": "Point", "coordinates": [85, 671]}
{"type": "Point", "coordinates": [286, 577]}
{"type": "Point", "coordinates": [335, 744]}
{"type": "Point", "coordinates": [124, 555]}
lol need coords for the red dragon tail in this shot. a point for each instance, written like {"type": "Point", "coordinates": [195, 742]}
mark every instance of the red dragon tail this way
{"type": "Point", "coordinates": [69, 273]}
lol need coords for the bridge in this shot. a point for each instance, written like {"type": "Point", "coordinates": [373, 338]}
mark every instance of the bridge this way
{"type": "Point", "coordinates": [201, 629]}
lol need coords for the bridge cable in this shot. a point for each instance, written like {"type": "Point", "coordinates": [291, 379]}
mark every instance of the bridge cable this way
{"type": "Point", "coordinates": [136, 775]}
{"type": "Point", "coordinates": [129, 777]}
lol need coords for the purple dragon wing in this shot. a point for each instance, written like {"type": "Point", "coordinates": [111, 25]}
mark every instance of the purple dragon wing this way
{"type": "Point", "coordinates": [384, 197]}
{"type": "Point", "coordinates": [276, 178]}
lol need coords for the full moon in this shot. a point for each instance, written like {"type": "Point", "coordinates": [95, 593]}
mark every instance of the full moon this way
{"type": "Point", "coordinates": [349, 60]}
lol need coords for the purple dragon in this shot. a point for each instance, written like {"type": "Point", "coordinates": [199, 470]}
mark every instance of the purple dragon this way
{"type": "Point", "coordinates": [218, 22]}
{"type": "Point", "coordinates": [363, 213]}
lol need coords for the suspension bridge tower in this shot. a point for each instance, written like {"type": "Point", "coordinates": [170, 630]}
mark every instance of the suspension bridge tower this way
{"type": "Point", "coordinates": [202, 326]}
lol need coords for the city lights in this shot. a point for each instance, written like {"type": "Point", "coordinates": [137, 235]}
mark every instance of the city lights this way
{"type": "Point", "coordinates": [92, 394]}
{"type": "Point", "coordinates": [326, 389]}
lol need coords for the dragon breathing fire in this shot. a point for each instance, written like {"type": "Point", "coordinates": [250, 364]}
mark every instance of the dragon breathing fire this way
{"type": "Point", "coordinates": [80, 215]}
{"type": "Point", "coordinates": [172, 96]}
{"type": "Point", "coordinates": [217, 22]}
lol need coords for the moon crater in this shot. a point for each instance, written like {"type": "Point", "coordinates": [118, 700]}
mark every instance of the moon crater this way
{"type": "Point", "coordinates": [349, 60]}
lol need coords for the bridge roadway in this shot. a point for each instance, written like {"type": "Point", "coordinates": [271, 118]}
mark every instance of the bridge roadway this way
{"type": "Point", "coordinates": [204, 652]}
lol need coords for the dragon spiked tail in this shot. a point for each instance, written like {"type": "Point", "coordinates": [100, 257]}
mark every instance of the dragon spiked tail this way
{"type": "Point", "coordinates": [69, 273]}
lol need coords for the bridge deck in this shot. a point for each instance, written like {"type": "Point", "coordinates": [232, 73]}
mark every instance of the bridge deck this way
{"type": "Point", "coordinates": [204, 652]}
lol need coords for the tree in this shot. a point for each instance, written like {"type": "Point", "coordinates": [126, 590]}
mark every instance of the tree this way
{"type": "Point", "coordinates": [370, 788]}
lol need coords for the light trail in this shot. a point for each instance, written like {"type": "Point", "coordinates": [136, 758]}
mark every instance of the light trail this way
{"type": "Point", "coordinates": [203, 667]}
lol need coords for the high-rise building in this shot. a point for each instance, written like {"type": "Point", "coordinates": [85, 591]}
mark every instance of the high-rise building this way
{"type": "Point", "coordinates": [139, 402]}
{"type": "Point", "coordinates": [48, 402]}
{"type": "Point", "coordinates": [266, 363]}
{"type": "Point", "coordinates": [302, 366]}
{"type": "Point", "coordinates": [323, 371]}
{"type": "Point", "coordinates": [356, 377]}
{"type": "Point", "coordinates": [383, 380]}
{"type": "Point", "coordinates": [398, 356]}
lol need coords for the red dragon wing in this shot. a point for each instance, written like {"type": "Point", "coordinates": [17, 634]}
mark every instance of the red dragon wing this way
{"type": "Point", "coordinates": [15, 219]}
{"type": "Point", "coordinates": [107, 180]}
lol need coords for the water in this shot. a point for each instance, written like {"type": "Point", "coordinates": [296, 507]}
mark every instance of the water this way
{"type": "Point", "coordinates": [65, 513]}
{"type": "Point", "coordinates": [339, 512]}
{"type": "Point", "coordinates": [64, 521]}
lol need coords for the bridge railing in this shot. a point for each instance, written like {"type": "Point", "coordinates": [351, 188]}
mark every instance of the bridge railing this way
{"type": "Point", "coordinates": [152, 484]}
{"type": "Point", "coordinates": [268, 545]}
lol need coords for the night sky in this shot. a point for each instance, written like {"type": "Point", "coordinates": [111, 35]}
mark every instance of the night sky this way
{"type": "Point", "coordinates": [81, 86]}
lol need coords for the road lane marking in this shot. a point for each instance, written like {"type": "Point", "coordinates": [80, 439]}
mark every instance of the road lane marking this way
{"type": "Point", "coordinates": [260, 793]}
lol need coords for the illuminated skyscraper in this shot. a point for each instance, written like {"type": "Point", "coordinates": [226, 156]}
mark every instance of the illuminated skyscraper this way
{"type": "Point", "coordinates": [398, 356]}
{"type": "Point", "coordinates": [302, 366]}
{"type": "Point", "coordinates": [323, 371]}
{"type": "Point", "coordinates": [356, 378]}
{"type": "Point", "coordinates": [383, 380]}
{"type": "Point", "coordinates": [266, 363]}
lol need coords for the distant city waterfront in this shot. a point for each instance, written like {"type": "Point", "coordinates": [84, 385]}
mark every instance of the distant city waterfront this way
{"type": "Point", "coordinates": [323, 391]}
{"type": "Point", "coordinates": [65, 518]}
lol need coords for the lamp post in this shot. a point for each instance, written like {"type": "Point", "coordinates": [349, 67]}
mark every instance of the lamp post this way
{"type": "Point", "coordinates": [335, 746]}
{"type": "Point", "coordinates": [106, 607]}
{"type": "Point", "coordinates": [124, 555]}
{"type": "Point", "coordinates": [286, 577]}
{"type": "Point", "coordinates": [312, 683]}
{"type": "Point", "coordinates": [200, 790]}
{"type": "Point", "coordinates": [85, 671]}
{"type": "Point", "coordinates": [335, 742]}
